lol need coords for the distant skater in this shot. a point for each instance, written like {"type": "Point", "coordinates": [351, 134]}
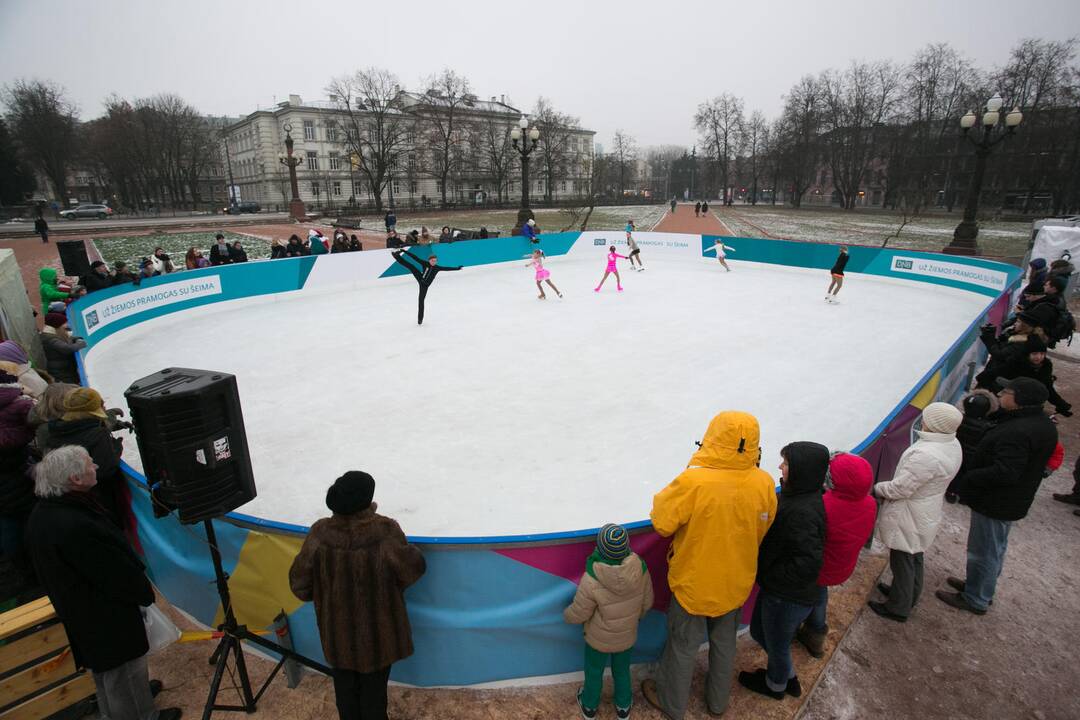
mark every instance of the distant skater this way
{"type": "Point", "coordinates": [611, 259]}
{"type": "Point", "coordinates": [837, 273]}
{"type": "Point", "coordinates": [704, 208]}
{"type": "Point", "coordinates": [720, 248]}
{"type": "Point", "coordinates": [542, 274]}
{"type": "Point", "coordinates": [425, 273]}
{"type": "Point", "coordinates": [635, 251]}
{"type": "Point", "coordinates": [697, 209]}
{"type": "Point", "coordinates": [673, 204]}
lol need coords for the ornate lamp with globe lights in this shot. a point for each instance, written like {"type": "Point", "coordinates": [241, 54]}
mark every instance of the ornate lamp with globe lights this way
{"type": "Point", "coordinates": [525, 140]}
{"type": "Point", "coordinates": [994, 130]}
{"type": "Point", "coordinates": [296, 205]}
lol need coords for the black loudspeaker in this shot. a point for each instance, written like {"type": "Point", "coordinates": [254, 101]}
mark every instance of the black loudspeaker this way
{"type": "Point", "coordinates": [73, 258]}
{"type": "Point", "coordinates": [191, 438]}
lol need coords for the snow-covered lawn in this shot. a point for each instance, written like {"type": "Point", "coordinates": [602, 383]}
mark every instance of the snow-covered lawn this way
{"type": "Point", "coordinates": [927, 232]}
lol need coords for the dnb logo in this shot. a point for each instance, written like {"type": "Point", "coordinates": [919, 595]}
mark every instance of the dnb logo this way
{"type": "Point", "coordinates": [599, 241]}
{"type": "Point", "coordinates": [901, 264]}
{"type": "Point", "coordinates": [91, 320]}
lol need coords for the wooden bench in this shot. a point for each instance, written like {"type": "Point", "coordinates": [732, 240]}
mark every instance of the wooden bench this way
{"type": "Point", "coordinates": [38, 677]}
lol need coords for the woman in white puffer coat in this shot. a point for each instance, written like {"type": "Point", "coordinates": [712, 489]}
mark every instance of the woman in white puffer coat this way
{"type": "Point", "coordinates": [912, 506]}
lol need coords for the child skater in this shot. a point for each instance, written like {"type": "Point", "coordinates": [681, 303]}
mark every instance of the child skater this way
{"type": "Point", "coordinates": [837, 275]}
{"type": "Point", "coordinates": [611, 258]}
{"type": "Point", "coordinates": [614, 594]}
{"type": "Point", "coordinates": [542, 274]}
{"type": "Point", "coordinates": [635, 251]}
{"type": "Point", "coordinates": [424, 274]}
{"type": "Point", "coordinates": [720, 247]}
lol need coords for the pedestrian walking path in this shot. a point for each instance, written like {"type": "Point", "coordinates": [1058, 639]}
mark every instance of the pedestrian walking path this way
{"type": "Point", "coordinates": [683, 221]}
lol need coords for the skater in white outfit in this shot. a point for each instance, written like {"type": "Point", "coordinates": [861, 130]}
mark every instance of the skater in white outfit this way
{"type": "Point", "coordinates": [542, 274]}
{"type": "Point", "coordinates": [720, 249]}
{"type": "Point", "coordinates": [635, 251]}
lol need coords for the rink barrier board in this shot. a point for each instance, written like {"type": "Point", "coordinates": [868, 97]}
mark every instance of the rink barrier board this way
{"type": "Point", "coordinates": [488, 608]}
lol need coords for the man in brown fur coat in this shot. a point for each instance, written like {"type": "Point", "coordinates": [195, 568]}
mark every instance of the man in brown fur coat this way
{"type": "Point", "coordinates": [356, 565]}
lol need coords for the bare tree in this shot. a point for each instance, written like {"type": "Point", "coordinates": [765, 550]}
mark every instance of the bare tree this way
{"type": "Point", "coordinates": [376, 127]}
{"type": "Point", "coordinates": [441, 125]}
{"type": "Point", "coordinates": [44, 124]}
{"type": "Point", "coordinates": [856, 103]}
{"type": "Point", "coordinates": [798, 143]}
{"type": "Point", "coordinates": [624, 154]}
{"type": "Point", "coordinates": [720, 122]}
{"type": "Point", "coordinates": [493, 139]}
{"type": "Point", "coordinates": [556, 133]}
{"type": "Point", "coordinates": [756, 136]}
{"type": "Point", "coordinates": [16, 177]}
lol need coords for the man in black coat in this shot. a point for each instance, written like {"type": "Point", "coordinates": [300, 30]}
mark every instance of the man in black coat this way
{"type": "Point", "coordinates": [99, 277]}
{"type": "Point", "coordinates": [789, 561]}
{"type": "Point", "coordinates": [999, 486]}
{"type": "Point", "coordinates": [96, 583]}
{"type": "Point", "coordinates": [219, 252]}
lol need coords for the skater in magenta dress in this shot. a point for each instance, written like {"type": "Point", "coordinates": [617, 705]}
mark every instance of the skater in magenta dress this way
{"type": "Point", "coordinates": [611, 258]}
{"type": "Point", "coordinates": [542, 274]}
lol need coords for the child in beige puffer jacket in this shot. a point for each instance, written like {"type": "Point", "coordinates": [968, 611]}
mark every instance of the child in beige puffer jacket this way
{"type": "Point", "coordinates": [614, 594]}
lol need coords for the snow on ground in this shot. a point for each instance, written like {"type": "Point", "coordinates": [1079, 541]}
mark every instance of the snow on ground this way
{"type": "Point", "coordinates": [504, 414]}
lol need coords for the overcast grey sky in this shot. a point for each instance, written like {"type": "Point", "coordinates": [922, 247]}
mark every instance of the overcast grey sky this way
{"type": "Point", "coordinates": [638, 66]}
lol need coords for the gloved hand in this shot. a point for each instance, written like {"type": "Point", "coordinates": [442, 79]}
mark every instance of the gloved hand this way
{"type": "Point", "coordinates": [1066, 411]}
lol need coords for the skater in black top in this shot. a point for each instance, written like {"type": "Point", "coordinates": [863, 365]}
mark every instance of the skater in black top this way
{"type": "Point", "coordinates": [697, 209]}
{"type": "Point", "coordinates": [837, 273]}
{"type": "Point", "coordinates": [424, 274]}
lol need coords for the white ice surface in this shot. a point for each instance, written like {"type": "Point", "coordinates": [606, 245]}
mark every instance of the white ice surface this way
{"type": "Point", "coordinates": [506, 415]}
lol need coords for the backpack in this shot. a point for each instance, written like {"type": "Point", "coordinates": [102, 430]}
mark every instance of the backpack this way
{"type": "Point", "coordinates": [1064, 327]}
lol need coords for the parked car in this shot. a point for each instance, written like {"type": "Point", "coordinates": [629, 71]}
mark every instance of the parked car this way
{"type": "Point", "coordinates": [87, 211]}
{"type": "Point", "coordinates": [249, 206]}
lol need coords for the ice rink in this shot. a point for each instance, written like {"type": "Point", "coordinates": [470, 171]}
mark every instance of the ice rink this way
{"type": "Point", "coordinates": [505, 415]}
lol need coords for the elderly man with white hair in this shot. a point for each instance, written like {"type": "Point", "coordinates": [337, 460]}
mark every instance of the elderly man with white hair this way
{"type": "Point", "coordinates": [96, 583]}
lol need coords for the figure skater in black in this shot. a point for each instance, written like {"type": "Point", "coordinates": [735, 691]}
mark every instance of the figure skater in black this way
{"type": "Point", "coordinates": [424, 274]}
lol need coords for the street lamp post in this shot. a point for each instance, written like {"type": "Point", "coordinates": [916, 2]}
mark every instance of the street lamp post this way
{"type": "Point", "coordinates": [296, 205]}
{"type": "Point", "coordinates": [228, 164]}
{"type": "Point", "coordinates": [525, 140]}
{"type": "Point", "coordinates": [964, 237]}
{"type": "Point", "coordinates": [693, 167]}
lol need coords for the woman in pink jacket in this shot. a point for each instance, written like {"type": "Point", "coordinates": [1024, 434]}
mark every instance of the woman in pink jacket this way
{"type": "Point", "coordinates": [849, 520]}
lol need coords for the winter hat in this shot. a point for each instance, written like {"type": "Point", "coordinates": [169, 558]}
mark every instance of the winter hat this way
{"type": "Point", "coordinates": [979, 404]}
{"type": "Point", "coordinates": [351, 493]}
{"type": "Point", "coordinates": [58, 306]}
{"type": "Point", "coordinates": [612, 542]}
{"type": "Point", "coordinates": [96, 264]}
{"type": "Point", "coordinates": [55, 319]}
{"type": "Point", "coordinates": [1038, 263]}
{"type": "Point", "coordinates": [1034, 344]}
{"type": "Point", "coordinates": [942, 418]}
{"type": "Point", "coordinates": [1027, 391]}
{"type": "Point", "coordinates": [1058, 282]}
{"type": "Point", "coordinates": [83, 402]}
{"type": "Point", "coordinates": [11, 352]}
{"type": "Point", "coordinates": [531, 221]}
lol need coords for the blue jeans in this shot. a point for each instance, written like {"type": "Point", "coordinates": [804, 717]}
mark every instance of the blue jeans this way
{"type": "Point", "coordinates": [988, 539]}
{"type": "Point", "coordinates": [773, 626]}
{"type": "Point", "coordinates": [817, 622]}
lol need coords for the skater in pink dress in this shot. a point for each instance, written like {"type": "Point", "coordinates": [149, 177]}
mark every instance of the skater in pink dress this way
{"type": "Point", "coordinates": [542, 274]}
{"type": "Point", "coordinates": [611, 258]}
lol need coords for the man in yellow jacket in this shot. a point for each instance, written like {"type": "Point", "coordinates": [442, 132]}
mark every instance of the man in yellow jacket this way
{"type": "Point", "coordinates": [718, 509]}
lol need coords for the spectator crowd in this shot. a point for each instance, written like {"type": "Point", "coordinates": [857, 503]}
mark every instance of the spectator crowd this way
{"type": "Point", "coordinates": [66, 526]}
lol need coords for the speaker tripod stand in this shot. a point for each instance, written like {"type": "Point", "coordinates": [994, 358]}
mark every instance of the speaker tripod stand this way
{"type": "Point", "coordinates": [233, 635]}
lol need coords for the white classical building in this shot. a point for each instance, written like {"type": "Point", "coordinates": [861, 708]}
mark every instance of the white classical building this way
{"type": "Point", "coordinates": [327, 176]}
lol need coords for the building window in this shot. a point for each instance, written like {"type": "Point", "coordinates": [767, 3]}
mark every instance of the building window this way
{"type": "Point", "coordinates": [335, 161]}
{"type": "Point", "coordinates": [315, 189]}
{"type": "Point", "coordinates": [331, 133]}
{"type": "Point", "coordinates": [309, 129]}
{"type": "Point", "coordinates": [312, 160]}
{"type": "Point", "coordinates": [396, 187]}
{"type": "Point", "coordinates": [412, 187]}
{"type": "Point", "coordinates": [337, 188]}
